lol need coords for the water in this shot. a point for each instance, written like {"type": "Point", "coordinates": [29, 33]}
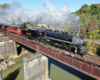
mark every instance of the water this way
{"type": "Point", "coordinates": [57, 71]}
{"type": "Point", "coordinates": [14, 73]}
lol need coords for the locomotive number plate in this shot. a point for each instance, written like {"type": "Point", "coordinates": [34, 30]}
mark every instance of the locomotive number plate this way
{"type": "Point", "coordinates": [28, 33]}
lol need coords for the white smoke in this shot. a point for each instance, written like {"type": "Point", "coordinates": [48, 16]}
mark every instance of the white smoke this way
{"type": "Point", "coordinates": [49, 15]}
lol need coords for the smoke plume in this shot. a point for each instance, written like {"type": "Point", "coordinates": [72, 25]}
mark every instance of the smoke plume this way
{"type": "Point", "coordinates": [49, 14]}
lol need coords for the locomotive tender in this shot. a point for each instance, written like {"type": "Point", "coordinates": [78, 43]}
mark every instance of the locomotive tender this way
{"type": "Point", "coordinates": [73, 43]}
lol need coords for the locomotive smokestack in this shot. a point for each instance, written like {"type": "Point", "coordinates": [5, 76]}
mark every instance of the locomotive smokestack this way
{"type": "Point", "coordinates": [77, 34]}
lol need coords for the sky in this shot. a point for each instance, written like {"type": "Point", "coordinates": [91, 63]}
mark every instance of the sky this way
{"type": "Point", "coordinates": [73, 4]}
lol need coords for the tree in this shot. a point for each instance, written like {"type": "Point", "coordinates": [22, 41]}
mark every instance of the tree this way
{"type": "Point", "coordinates": [4, 5]}
{"type": "Point", "coordinates": [25, 25]}
{"type": "Point", "coordinates": [90, 25]}
{"type": "Point", "coordinates": [99, 27]}
{"type": "Point", "coordinates": [93, 6]}
{"type": "Point", "coordinates": [71, 31]}
{"type": "Point", "coordinates": [90, 28]}
{"type": "Point", "coordinates": [97, 10]}
{"type": "Point", "coordinates": [98, 16]}
{"type": "Point", "coordinates": [77, 12]}
{"type": "Point", "coordinates": [98, 50]}
{"type": "Point", "coordinates": [85, 6]}
{"type": "Point", "coordinates": [95, 34]}
{"type": "Point", "coordinates": [82, 30]}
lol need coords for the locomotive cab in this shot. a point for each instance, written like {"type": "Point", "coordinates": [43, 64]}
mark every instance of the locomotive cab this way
{"type": "Point", "coordinates": [19, 31]}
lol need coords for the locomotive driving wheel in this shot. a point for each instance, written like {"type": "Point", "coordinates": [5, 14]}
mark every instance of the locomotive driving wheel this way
{"type": "Point", "coordinates": [45, 42]}
{"type": "Point", "coordinates": [64, 45]}
{"type": "Point", "coordinates": [52, 44]}
{"type": "Point", "coordinates": [42, 40]}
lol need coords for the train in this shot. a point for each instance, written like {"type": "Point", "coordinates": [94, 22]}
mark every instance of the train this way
{"type": "Point", "coordinates": [73, 43]}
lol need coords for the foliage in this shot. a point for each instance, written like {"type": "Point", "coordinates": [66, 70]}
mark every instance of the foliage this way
{"type": "Point", "coordinates": [92, 47]}
{"type": "Point", "coordinates": [71, 31]}
{"type": "Point", "coordinates": [85, 6]}
{"type": "Point", "coordinates": [35, 24]}
{"type": "Point", "coordinates": [98, 50]}
{"type": "Point", "coordinates": [94, 34]}
{"type": "Point", "coordinates": [90, 20]}
{"type": "Point", "coordinates": [77, 12]}
{"type": "Point", "coordinates": [98, 16]}
{"type": "Point", "coordinates": [4, 6]}
{"type": "Point", "coordinates": [43, 26]}
{"type": "Point", "coordinates": [24, 25]}
{"type": "Point", "coordinates": [90, 25]}
{"type": "Point", "coordinates": [92, 9]}
{"type": "Point", "coordinates": [28, 25]}
{"type": "Point", "coordinates": [82, 31]}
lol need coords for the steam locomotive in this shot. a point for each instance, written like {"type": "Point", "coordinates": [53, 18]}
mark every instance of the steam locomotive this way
{"type": "Point", "coordinates": [73, 43]}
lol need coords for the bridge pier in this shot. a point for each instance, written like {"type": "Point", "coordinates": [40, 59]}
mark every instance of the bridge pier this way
{"type": "Point", "coordinates": [36, 67]}
{"type": "Point", "coordinates": [1, 76]}
{"type": "Point", "coordinates": [7, 47]}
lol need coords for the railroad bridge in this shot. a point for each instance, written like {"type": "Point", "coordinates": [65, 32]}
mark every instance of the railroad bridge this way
{"type": "Point", "coordinates": [89, 64]}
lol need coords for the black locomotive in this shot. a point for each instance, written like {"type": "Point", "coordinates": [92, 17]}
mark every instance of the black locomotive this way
{"type": "Point", "coordinates": [73, 43]}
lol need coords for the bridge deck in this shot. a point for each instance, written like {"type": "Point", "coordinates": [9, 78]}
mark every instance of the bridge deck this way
{"type": "Point", "coordinates": [57, 55]}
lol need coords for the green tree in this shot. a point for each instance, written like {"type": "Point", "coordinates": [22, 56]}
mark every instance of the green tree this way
{"type": "Point", "coordinates": [93, 6]}
{"type": "Point", "coordinates": [71, 31]}
{"type": "Point", "coordinates": [85, 6]}
{"type": "Point", "coordinates": [97, 10]}
{"type": "Point", "coordinates": [78, 12]}
{"type": "Point", "coordinates": [95, 34]}
{"type": "Point", "coordinates": [98, 16]}
{"type": "Point", "coordinates": [25, 25]}
{"type": "Point", "coordinates": [83, 30]}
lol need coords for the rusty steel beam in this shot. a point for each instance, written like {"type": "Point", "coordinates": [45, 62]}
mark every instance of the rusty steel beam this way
{"type": "Point", "coordinates": [72, 62]}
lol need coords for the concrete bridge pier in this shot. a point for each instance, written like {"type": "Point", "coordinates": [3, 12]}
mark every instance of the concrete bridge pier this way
{"type": "Point", "coordinates": [1, 76]}
{"type": "Point", "coordinates": [7, 47]}
{"type": "Point", "coordinates": [36, 67]}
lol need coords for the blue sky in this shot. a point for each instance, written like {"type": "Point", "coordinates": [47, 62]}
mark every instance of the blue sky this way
{"type": "Point", "coordinates": [73, 4]}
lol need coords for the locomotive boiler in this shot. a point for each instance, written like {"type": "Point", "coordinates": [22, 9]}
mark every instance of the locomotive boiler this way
{"type": "Point", "coordinates": [74, 43]}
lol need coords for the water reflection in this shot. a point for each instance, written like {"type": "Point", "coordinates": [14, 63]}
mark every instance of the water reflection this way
{"type": "Point", "coordinates": [59, 71]}
{"type": "Point", "coordinates": [13, 75]}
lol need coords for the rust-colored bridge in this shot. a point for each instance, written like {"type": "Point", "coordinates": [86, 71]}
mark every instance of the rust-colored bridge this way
{"type": "Point", "coordinates": [57, 54]}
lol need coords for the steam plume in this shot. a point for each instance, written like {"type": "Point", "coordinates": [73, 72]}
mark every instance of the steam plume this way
{"type": "Point", "coordinates": [49, 15]}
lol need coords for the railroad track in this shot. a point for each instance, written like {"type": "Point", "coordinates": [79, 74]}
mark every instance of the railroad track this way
{"type": "Point", "coordinates": [94, 57]}
{"type": "Point", "coordinates": [89, 59]}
